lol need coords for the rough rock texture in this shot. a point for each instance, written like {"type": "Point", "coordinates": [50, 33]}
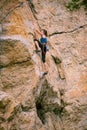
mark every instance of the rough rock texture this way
{"type": "Point", "coordinates": [57, 101]}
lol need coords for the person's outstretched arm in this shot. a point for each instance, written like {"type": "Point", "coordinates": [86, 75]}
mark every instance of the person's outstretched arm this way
{"type": "Point", "coordinates": [38, 32]}
{"type": "Point", "coordinates": [36, 29]}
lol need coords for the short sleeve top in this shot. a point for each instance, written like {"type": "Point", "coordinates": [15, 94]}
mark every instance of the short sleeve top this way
{"type": "Point", "coordinates": [43, 40]}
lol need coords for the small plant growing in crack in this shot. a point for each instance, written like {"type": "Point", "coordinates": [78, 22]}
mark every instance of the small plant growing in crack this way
{"type": "Point", "coordinates": [76, 4]}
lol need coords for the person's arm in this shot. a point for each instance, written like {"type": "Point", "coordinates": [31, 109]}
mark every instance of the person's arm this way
{"type": "Point", "coordinates": [36, 29]}
{"type": "Point", "coordinates": [39, 32]}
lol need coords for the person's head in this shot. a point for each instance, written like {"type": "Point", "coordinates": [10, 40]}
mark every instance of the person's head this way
{"type": "Point", "coordinates": [44, 32]}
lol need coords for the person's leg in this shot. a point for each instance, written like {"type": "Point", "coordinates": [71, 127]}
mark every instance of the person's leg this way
{"type": "Point", "coordinates": [45, 68]}
{"type": "Point", "coordinates": [37, 44]}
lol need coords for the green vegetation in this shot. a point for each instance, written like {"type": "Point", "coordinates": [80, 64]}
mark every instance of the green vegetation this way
{"type": "Point", "coordinates": [76, 4]}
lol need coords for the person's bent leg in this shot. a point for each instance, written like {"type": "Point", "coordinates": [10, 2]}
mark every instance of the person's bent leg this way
{"type": "Point", "coordinates": [37, 46]}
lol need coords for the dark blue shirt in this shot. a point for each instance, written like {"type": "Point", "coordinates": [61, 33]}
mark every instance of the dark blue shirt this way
{"type": "Point", "coordinates": [43, 40]}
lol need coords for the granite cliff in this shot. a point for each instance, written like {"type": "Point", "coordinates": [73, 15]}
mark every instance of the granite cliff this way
{"type": "Point", "coordinates": [57, 101]}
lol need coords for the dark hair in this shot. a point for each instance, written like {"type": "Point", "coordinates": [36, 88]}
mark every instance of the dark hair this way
{"type": "Point", "coordinates": [45, 32]}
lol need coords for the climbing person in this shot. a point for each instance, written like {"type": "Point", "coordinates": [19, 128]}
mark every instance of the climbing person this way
{"type": "Point", "coordinates": [43, 46]}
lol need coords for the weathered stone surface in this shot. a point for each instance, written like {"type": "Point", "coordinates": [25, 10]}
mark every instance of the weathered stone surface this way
{"type": "Point", "coordinates": [13, 52]}
{"type": "Point", "coordinates": [59, 100]}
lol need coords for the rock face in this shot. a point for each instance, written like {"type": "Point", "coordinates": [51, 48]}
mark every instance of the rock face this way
{"type": "Point", "coordinates": [57, 101]}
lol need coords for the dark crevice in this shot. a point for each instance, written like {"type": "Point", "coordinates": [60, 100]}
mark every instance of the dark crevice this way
{"type": "Point", "coordinates": [45, 102]}
{"type": "Point", "coordinates": [33, 11]}
{"type": "Point", "coordinates": [16, 63]}
{"type": "Point", "coordinates": [40, 111]}
{"type": "Point", "coordinates": [32, 7]}
{"type": "Point", "coordinates": [10, 11]}
{"type": "Point", "coordinates": [60, 68]}
{"type": "Point", "coordinates": [17, 109]}
{"type": "Point", "coordinates": [25, 108]}
{"type": "Point", "coordinates": [71, 31]}
{"type": "Point", "coordinates": [56, 60]}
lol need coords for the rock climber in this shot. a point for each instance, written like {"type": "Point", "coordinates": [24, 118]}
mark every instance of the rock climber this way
{"type": "Point", "coordinates": [43, 46]}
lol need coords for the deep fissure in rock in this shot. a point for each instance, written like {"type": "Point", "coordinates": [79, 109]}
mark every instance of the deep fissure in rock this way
{"type": "Point", "coordinates": [46, 102]}
{"type": "Point", "coordinates": [32, 7]}
{"type": "Point", "coordinates": [71, 31]}
{"type": "Point", "coordinates": [40, 111]}
{"type": "Point", "coordinates": [10, 11]}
